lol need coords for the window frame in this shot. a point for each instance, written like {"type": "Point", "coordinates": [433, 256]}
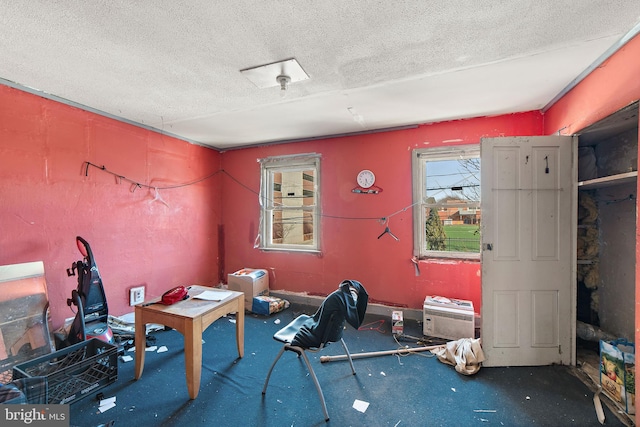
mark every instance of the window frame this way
{"type": "Point", "coordinates": [289, 163]}
{"type": "Point", "coordinates": [419, 159]}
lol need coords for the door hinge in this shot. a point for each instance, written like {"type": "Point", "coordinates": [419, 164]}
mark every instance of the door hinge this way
{"type": "Point", "coordinates": [487, 246]}
{"type": "Point", "coordinates": [560, 349]}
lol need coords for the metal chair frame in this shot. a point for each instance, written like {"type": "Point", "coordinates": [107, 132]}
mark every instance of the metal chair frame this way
{"type": "Point", "coordinates": [285, 336]}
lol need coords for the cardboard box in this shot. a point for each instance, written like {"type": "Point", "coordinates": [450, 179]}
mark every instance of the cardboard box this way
{"type": "Point", "coordinates": [397, 323]}
{"type": "Point", "coordinates": [617, 372]}
{"type": "Point", "coordinates": [252, 282]}
{"type": "Point", "coordinates": [267, 305]}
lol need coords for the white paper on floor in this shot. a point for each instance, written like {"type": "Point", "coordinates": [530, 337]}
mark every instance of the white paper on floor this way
{"type": "Point", "coordinates": [126, 358]}
{"type": "Point", "coordinates": [152, 348]}
{"type": "Point", "coordinates": [360, 405]}
{"type": "Point", "coordinates": [163, 349]}
{"type": "Point", "coordinates": [106, 404]}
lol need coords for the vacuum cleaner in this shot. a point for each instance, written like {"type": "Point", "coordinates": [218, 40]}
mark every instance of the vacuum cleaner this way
{"type": "Point", "coordinates": [91, 320]}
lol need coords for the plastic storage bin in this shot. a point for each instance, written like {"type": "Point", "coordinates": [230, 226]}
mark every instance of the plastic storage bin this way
{"type": "Point", "coordinates": [74, 372]}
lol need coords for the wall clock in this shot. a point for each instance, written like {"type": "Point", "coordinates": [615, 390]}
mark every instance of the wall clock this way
{"type": "Point", "coordinates": [366, 178]}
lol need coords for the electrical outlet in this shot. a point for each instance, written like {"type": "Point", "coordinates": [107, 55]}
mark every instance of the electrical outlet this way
{"type": "Point", "coordinates": [136, 295]}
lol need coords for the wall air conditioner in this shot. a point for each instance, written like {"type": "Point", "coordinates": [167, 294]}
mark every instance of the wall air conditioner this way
{"type": "Point", "coordinates": [448, 318]}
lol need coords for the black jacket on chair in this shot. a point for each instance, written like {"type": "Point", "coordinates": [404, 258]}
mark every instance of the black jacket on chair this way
{"type": "Point", "coordinates": [327, 324]}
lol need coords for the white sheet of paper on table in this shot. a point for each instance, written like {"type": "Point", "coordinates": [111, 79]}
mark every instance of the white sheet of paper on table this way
{"type": "Point", "coordinates": [213, 295]}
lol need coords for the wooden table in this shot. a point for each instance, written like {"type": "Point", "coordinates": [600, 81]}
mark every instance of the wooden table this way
{"type": "Point", "coordinates": [189, 317]}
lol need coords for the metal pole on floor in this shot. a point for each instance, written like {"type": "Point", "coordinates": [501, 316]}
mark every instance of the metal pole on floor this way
{"type": "Point", "coordinates": [400, 351]}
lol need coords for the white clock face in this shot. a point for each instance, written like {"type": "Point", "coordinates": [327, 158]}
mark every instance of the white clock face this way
{"type": "Point", "coordinates": [366, 178]}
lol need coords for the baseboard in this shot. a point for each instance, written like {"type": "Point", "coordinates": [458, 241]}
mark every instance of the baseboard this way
{"type": "Point", "coordinates": [375, 309]}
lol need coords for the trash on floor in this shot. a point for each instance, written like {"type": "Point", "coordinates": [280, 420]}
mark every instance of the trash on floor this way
{"type": "Point", "coordinates": [267, 305]}
{"type": "Point", "coordinates": [106, 404]}
{"type": "Point", "coordinates": [617, 372]}
{"type": "Point", "coordinates": [465, 354]}
{"type": "Point", "coordinates": [360, 405]}
{"type": "Point", "coordinates": [397, 323]}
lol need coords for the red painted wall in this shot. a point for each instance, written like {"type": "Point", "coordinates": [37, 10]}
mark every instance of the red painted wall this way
{"type": "Point", "coordinates": [613, 85]}
{"type": "Point", "coordinates": [350, 223]}
{"type": "Point", "coordinates": [46, 200]}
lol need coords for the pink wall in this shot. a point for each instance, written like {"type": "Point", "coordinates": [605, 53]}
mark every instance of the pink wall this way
{"type": "Point", "coordinates": [350, 247]}
{"type": "Point", "coordinates": [607, 89]}
{"type": "Point", "coordinates": [46, 200]}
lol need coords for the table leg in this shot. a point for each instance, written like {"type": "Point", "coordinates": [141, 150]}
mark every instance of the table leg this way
{"type": "Point", "coordinates": [193, 355]}
{"type": "Point", "coordinates": [140, 343]}
{"type": "Point", "coordinates": [240, 327]}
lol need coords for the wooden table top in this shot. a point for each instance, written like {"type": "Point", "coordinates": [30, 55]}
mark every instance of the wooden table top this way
{"type": "Point", "coordinates": [191, 307]}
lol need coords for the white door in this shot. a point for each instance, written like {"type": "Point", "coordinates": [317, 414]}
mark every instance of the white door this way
{"type": "Point", "coordinates": [529, 194]}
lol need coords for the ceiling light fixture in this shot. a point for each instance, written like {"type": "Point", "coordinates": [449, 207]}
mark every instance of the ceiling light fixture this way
{"type": "Point", "coordinates": [284, 81]}
{"type": "Point", "coordinates": [281, 73]}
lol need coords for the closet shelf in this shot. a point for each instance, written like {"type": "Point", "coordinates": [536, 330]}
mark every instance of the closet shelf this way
{"type": "Point", "coordinates": [605, 181]}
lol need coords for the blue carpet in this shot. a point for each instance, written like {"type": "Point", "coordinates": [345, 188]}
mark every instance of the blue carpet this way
{"type": "Point", "coordinates": [414, 390]}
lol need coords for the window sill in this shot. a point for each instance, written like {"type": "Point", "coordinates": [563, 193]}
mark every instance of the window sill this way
{"type": "Point", "coordinates": [294, 250]}
{"type": "Point", "coordinates": [450, 257]}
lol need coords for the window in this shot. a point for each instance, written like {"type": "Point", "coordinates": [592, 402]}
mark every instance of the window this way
{"type": "Point", "coordinates": [447, 214]}
{"type": "Point", "coordinates": [290, 202]}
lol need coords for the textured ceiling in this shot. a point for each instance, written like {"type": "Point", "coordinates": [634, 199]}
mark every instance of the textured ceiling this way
{"type": "Point", "coordinates": [175, 66]}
